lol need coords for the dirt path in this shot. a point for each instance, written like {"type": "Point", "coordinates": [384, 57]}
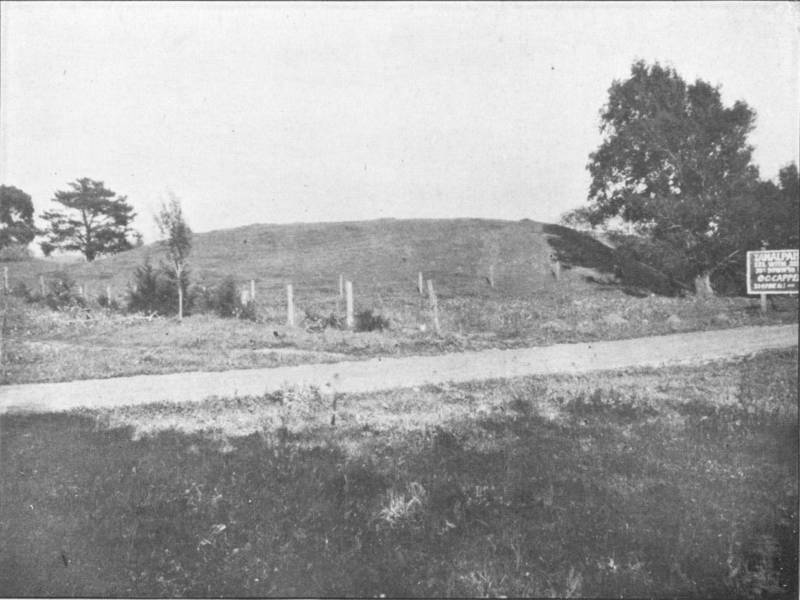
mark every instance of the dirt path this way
{"type": "Point", "coordinates": [389, 373]}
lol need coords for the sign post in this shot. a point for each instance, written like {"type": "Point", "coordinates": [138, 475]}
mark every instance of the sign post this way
{"type": "Point", "coordinates": [772, 272]}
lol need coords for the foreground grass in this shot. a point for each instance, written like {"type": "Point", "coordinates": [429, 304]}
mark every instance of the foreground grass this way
{"type": "Point", "coordinates": [675, 482]}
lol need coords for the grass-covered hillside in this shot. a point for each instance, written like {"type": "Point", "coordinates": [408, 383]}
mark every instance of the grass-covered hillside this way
{"type": "Point", "coordinates": [384, 255]}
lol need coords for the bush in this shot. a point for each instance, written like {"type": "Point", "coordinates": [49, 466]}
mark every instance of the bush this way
{"type": "Point", "coordinates": [366, 321]}
{"type": "Point", "coordinates": [20, 290]}
{"type": "Point", "coordinates": [15, 252]}
{"type": "Point", "coordinates": [61, 294]}
{"type": "Point", "coordinates": [248, 312]}
{"type": "Point", "coordinates": [155, 290]}
{"type": "Point", "coordinates": [226, 301]}
{"type": "Point", "coordinates": [106, 302]}
{"type": "Point", "coordinates": [316, 322]}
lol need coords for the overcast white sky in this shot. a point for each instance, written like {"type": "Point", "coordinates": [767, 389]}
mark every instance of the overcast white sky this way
{"type": "Point", "coordinates": [264, 112]}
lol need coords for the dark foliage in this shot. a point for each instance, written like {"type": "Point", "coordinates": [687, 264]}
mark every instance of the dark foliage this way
{"type": "Point", "coordinates": [365, 320]}
{"type": "Point", "coordinates": [674, 160]}
{"type": "Point", "coordinates": [225, 300]}
{"type": "Point", "coordinates": [61, 292]}
{"type": "Point", "coordinates": [318, 322]}
{"type": "Point", "coordinates": [21, 290]}
{"type": "Point", "coordinates": [16, 217]}
{"type": "Point", "coordinates": [92, 220]}
{"type": "Point", "coordinates": [155, 290]}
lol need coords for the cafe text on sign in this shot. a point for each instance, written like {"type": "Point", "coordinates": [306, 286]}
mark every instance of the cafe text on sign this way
{"type": "Point", "coordinates": [772, 272]}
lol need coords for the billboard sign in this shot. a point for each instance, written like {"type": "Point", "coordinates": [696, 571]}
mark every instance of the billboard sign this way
{"type": "Point", "coordinates": [772, 272]}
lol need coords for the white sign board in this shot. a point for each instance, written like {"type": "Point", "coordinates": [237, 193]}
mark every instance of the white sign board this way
{"type": "Point", "coordinates": [772, 272]}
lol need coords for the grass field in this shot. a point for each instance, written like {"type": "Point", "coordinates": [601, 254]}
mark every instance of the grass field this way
{"type": "Point", "coordinates": [526, 306]}
{"type": "Point", "coordinates": [43, 345]}
{"type": "Point", "coordinates": [674, 482]}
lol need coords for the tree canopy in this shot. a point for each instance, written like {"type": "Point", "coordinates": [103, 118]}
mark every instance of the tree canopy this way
{"type": "Point", "coordinates": [93, 220]}
{"type": "Point", "coordinates": [674, 162]}
{"type": "Point", "coordinates": [16, 217]}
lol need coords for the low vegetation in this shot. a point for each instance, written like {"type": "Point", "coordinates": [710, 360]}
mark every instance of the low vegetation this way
{"type": "Point", "coordinates": [595, 293]}
{"type": "Point", "coordinates": [676, 482]}
{"type": "Point", "coordinates": [81, 342]}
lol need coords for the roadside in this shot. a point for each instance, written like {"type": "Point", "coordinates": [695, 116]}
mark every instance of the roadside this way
{"type": "Point", "coordinates": [390, 373]}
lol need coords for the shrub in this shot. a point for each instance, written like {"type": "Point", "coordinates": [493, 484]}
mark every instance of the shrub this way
{"type": "Point", "coordinates": [20, 290]}
{"type": "Point", "coordinates": [366, 321]}
{"type": "Point", "coordinates": [155, 290]}
{"type": "Point", "coordinates": [106, 302]}
{"type": "Point", "coordinates": [248, 311]}
{"type": "Point", "coordinates": [61, 294]}
{"type": "Point", "coordinates": [15, 252]}
{"type": "Point", "coordinates": [316, 322]}
{"type": "Point", "coordinates": [226, 301]}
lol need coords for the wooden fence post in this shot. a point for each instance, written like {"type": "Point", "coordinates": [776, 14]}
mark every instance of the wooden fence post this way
{"type": "Point", "coordinates": [80, 291]}
{"type": "Point", "coordinates": [41, 285]}
{"type": "Point", "coordinates": [555, 267]}
{"type": "Point", "coordinates": [349, 319]}
{"type": "Point", "coordinates": [420, 286]}
{"type": "Point", "coordinates": [289, 305]}
{"type": "Point", "coordinates": [243, 296]}
{"type": "Point", "coordinates": [108, 294]}
{"type": "Point", "coordinates": [763, 296]}
{"type": "Point", "coordinates": [491, 276]}
{"type": "Point", "coordinates": [252, 290]}
{"type": "Point", "coordinates": [434, 306]}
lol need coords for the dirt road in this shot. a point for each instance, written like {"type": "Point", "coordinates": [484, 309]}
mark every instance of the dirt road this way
{"type": "Point", "coordinates": [389, 373]}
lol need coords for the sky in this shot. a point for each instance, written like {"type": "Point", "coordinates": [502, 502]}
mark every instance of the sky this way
{"type": "Point", "coordinates": [308, 112]}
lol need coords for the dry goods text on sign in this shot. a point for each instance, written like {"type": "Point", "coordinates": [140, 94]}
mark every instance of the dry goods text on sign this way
{"type": "Point", "coordinates": [772, 272]}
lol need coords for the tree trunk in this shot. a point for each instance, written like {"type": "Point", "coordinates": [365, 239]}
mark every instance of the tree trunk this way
{"type": "Point", "coordinates": [178, 271]}
{"type": "Point", "coordinates": [702, 285]}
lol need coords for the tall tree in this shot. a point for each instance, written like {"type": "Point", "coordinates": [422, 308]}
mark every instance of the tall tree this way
{"type": "Point", "coordinates": [93, 220]}
{"type": "Point", "coordinates": [673, 161]}
{"type": "Point", "coordinates": [769, 216]}
{"type": "Point", "coordinates": [16, 217]}
{"type": "Point", "coordinates": [177, 242]}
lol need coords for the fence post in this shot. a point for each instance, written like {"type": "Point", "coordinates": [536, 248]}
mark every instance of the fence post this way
{"type": "Point", "coordinates": [434, 306]}
{"type": "Point", "coordinates": [420, 287]}
{"type": "Point", "coordinates": [555, 267]}
{"type": "Point", "coordinates": [491, 276]}
{"type": "Point", "coordinates": [252, 290]}
{"type": "Point", "coordinates": [350, 321]}
{"type": "Point", "coordinates": [108, 294]}
{"type": "Point", "coordinates": [763, 296]}
{"type": "Point", "coordinates": [243, 297]}
{"type": "Point", "coordinates": [41, 285]}
{"type": "Point", "coordinates": [289, 305]}
{"type": "Point", "coordinates": [80, 291]}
